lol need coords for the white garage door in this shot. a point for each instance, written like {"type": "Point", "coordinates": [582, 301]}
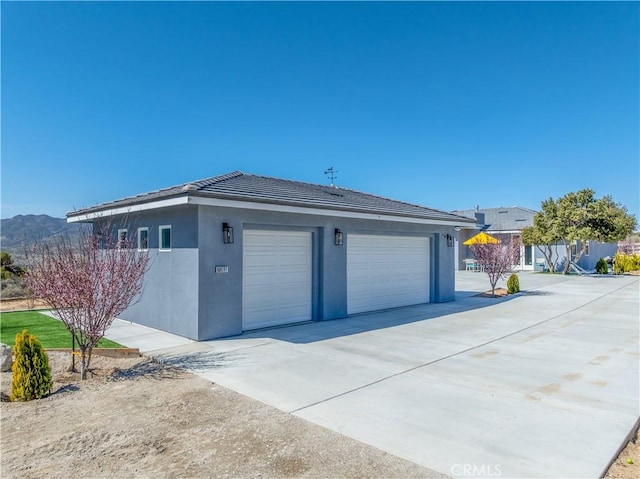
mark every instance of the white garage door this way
{"type": "Point", "coordinates": [276, 278]}
{"type": "Point", "coordinates": [386, 272]}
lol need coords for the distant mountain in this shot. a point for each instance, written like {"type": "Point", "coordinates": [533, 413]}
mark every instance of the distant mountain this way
{"type": "Point", "coordinates": [22, 230]}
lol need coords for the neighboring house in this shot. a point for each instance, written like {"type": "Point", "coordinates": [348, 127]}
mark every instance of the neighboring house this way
{"type": "Point", "coordinates": [239, 252]}
{"type": "Point", "coordinates": [498, 221]}
{"type": "Point", "coordinates": [510, 221]}
{"type": "Point", "coordinates": [595, 251]}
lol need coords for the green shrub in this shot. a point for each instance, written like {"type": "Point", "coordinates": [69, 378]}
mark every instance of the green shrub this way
{"type": "Point", "coordinates": [624, 263]}
{"type": "Point", "coordinates": [7, 267]}
{"type": "Point", "coordinates": [602, 267]}
{"type": "Point", "coordinates": [513, 284]}
{"type": "Point", "coordinates": [31, 373]}
{"type": "Point", "coordinates": [619, 261]}
{"type": "Point", "coordinates": [14, 287]}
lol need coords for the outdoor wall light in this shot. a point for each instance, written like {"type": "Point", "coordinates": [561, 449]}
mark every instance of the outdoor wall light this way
{"type": "Point", "coordinates": [337, 237]}
{"type": "Point", "coordinates": [227, 233]}
{"type": "Point", "coordinates": [449, 240]}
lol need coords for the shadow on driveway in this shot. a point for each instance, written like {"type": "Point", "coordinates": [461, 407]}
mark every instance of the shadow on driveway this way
{"type": "Point", "coordinates": [313, 331]}
{"type": "Point", "coordinates": [198, 361]}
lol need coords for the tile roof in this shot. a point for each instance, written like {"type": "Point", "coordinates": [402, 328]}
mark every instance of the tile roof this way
{"type": "Point", "coordinates": [512, 218]}
{"type": "Point", "coordinates": [241, 186]}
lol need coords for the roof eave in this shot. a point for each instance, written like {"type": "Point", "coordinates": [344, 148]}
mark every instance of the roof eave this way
{"type": "Point", "coordinates": [229, 201]}
{"type": "Point", "coordinates": [87, 215]}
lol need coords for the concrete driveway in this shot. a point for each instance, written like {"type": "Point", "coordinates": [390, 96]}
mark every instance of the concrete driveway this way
{"type": "Point", "coordinates": [540, 384]}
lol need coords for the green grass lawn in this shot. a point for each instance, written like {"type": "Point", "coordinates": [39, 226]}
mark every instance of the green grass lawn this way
{"type": "Point", "coordinates": [49, 331]}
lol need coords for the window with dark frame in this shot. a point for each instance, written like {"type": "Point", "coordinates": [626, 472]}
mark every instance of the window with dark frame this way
{"type": "Point", "coordinates": [122, 238]}
{"type": "Point", "coordinates": [143, 239]}
{"type": "Point", "coordinates": [165, 238]}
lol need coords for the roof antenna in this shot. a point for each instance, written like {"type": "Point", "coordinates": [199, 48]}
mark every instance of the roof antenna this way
{"type": "Point", "coordinates": [331, 174]}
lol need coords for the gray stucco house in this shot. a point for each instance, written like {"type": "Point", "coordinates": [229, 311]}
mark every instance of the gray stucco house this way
{"type": "Point", "coordinates": [501, 221]}
{"type": "Point", "coordinates": [239, 252]}
{"type": "Point", "coordinates": [510, 221]}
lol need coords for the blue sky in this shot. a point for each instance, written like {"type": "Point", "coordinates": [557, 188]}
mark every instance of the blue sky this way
{"type": "Point", "coordinates": [447, 105]}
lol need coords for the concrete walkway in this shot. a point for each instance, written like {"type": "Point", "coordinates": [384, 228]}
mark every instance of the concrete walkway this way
{"type": "Point", "coordinates": [540, 384]}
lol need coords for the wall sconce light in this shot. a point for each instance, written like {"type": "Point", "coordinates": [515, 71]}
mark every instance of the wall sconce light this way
{"type": "Point", "coordinates": [227, 233]}
{"type": "Point", "coordinates": [449, 240]}
{"type": "Point", "coordinates": [337, 237]}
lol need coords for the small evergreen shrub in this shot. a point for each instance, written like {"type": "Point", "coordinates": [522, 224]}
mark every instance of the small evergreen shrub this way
{"type": "Point", "coordinates": [602, 267]}
{"type": "Point", "coordinates": [31, 373]}
{"type": "Point", "coordinates": [513, 284]}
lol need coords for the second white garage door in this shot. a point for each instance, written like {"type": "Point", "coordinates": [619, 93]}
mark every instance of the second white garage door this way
{"type": "Point", "coordinates": [386, 272]}
{"type": "Point", "coordinates": [276, 284]}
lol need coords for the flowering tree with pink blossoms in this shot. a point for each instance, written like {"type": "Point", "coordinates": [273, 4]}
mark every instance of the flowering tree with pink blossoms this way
{"type": "Point", "coordinates": [87, 283]}
{"type": "Point", "coordinates": [627, 246]}
{"type": "Point", "coordinates": [497, 259]}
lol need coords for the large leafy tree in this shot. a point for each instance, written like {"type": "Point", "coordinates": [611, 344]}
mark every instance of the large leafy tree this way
{"type": "Point", "coordinates": [543, 234]}
{"type": "Point", "coordinates": [572, 223]}
{"type": "Point", "coordinates": [578, 217]}
{"type": "Point", "coordinates": [610, 221]}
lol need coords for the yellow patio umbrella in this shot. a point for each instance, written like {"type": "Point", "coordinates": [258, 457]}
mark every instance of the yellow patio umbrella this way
{"type": "Point", "coordinates": [481, 238]}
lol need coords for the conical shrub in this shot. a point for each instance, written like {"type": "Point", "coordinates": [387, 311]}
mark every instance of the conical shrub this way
{"type": "Point", "coordinates": [513, 284]}
{"type": "Point", "coordinates": [602, 267]}
{"type": "Point", "coordinates": [31, 377]}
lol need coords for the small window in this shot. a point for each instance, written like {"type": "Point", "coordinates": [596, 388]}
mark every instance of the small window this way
{"type": "Point", "coordinates": [165, 238]}
{"type": "Point", "coordinates": [586, 248]}
{"type": "Point", "coordinates": [122, 239]}
{"type": "Point", "coordinates": [143, 239]}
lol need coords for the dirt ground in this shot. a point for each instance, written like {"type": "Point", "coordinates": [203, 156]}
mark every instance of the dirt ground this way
{"type": "Point", "coordinates": [498, 293]}
{"type": "Point", "coordinates": [137, 418]}
{"type": "Point", "coordinates": [20, 304]}
{"type": "Point", "coordinates": [621, 468]}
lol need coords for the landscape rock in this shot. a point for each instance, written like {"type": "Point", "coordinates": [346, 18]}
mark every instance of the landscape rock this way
{"type": "Point", "coordinates": [6, 357]}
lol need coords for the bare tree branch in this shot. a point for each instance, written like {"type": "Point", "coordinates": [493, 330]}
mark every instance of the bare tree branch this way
{"type": "Point", "coordinates": [497, 260]}
{"type": "Point", "coordinates": [87, 283]}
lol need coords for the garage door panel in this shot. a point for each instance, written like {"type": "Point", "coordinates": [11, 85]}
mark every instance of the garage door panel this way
{"type": "Point", "coordinates": [293, 261]}
{"type": "Point", "coordinates": [268, 281]}
{"type": "Point", "coordinates": [386, 272]}
{"type": "Point", "coordinates": [293, 278]}
{"type": "Point", "coordinates": [261, 260]}
{"type": "Point", "coordinates": [277, 278]}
